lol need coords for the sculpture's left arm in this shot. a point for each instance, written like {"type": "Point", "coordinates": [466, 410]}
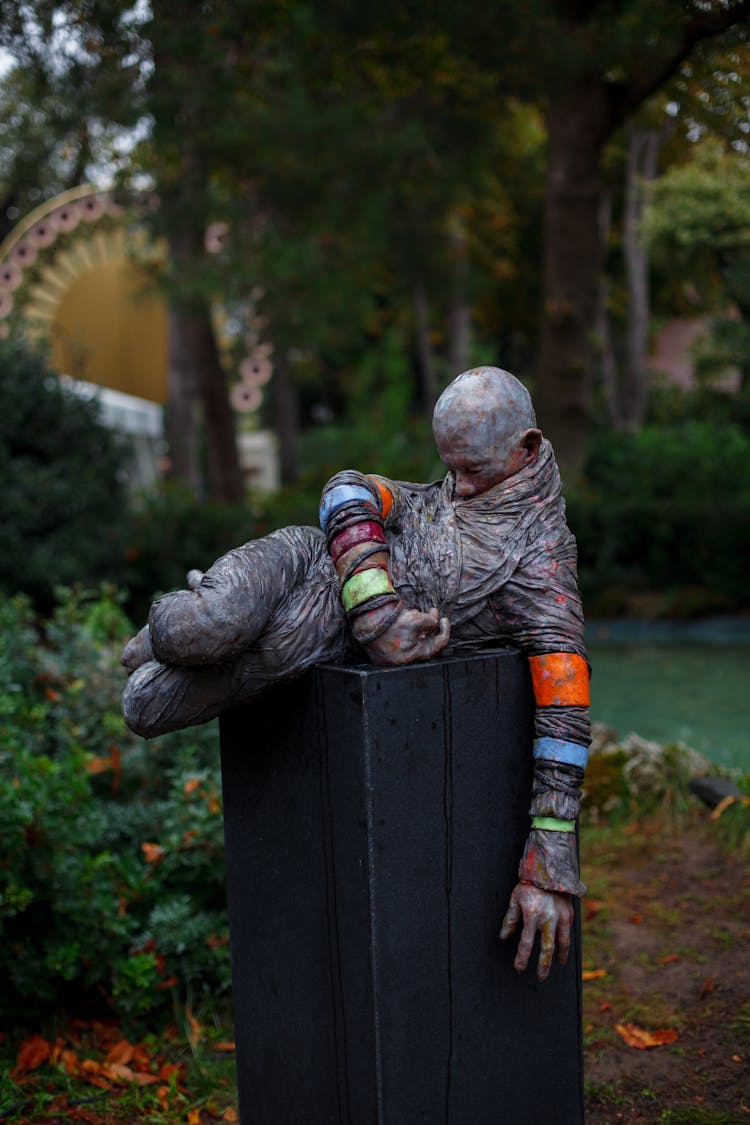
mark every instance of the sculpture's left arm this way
{"type": "Point", "coordinates": [544, 604]}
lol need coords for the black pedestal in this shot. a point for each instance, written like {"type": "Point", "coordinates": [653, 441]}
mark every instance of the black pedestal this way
{"type": "Point", "coordinates": [374, 823]}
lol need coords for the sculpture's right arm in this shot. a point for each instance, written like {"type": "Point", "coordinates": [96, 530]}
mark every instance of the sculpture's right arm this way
{"type": "Point", "coordinates": [353, 512]}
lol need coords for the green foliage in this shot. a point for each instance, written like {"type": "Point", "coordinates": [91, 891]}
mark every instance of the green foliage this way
{"type": "Point", "coordinates": [61, 494]}
{"type": "Point", "coordinates": [663, 509]}
{"type": "Point", "coordinates": [111, 879]}
{"type": "Point", "coordinates": [167, 533]}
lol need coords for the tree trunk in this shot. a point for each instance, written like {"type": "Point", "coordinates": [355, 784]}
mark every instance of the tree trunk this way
{"type": "Point", "coordinates": [643, 152]}
{"type": "Point", "coordinates": [459, 317]}
{"type": "Point", "coordinates": [607, 362]}
{"type": "Point", "coordinates": [577, 127]}
{"type": "Point", "coordinates": [202, 373]}
{"type": "Point", "coordinates": [182, 408]}
{"type": "Point", "coordinates": [287, 416]}
{"type": "Point", "coordinates": [425, 353]}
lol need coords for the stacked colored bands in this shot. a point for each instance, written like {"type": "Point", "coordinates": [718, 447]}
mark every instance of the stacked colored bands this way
{"type": "Point", "coordinates": [363, 586]}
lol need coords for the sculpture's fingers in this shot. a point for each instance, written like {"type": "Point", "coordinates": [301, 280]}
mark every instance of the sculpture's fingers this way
{"type": "Point", "coordinates": [525, 945]}
{"type": "Point", "coordinates": [511, 919]}
{"type": "Point", "coordinates": [546, 950]}
{"type": "Point", "coordinates": [563, 936]}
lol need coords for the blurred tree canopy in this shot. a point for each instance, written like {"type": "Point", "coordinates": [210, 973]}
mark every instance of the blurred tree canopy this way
{"type": "Point", "coordinates": [402, 168]}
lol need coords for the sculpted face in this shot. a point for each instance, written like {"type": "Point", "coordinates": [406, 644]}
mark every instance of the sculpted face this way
{"type": "Point", "coordinates": [485, 429]}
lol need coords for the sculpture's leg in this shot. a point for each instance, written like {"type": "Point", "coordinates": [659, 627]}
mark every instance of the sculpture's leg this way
{"type": "Point", "coordinates": [302, 624]}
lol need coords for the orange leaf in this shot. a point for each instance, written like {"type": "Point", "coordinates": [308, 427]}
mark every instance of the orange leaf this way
{"type": "Point", "coordinates": [723, 805]}
{"type": "Point", "coordinates": [194, 1117]}
{"type": "Point", "coordinates": [706, 988]}
{"type": "Point", "coordinates": [119, 1071]}
{"type": "Point", "coordinates": [637, 918]}
{"type": "Point", "coordinates": [593, 974]}
{"type": "Point", "coordinates": [31, 1054]}
{"type": "Point", "coordinates": [670, 958]}
{"type": "Point", "coordinates": [191, 785]}
{"type": "Point", "coordinates": [154, 853]}
{"type": "Point", "coordinates": [593, 906]}
{"type": "Point", "coordinates": [229, 1115]}
{"type": "Point", "coordinates": [640, 1038]}
{"type": "Point", "coordinates": [120, 1052]}
{"type": "Point", "coordinates": [605, 1007]}
{"type": "Point", "coordinates": [163, 1095]}
{"type": "Point", "coordinates": [98, 764]}
{"type": "Point", "coordinates": [225, 1046]}
{"type": "Point", "coordinates": [195, 1031]}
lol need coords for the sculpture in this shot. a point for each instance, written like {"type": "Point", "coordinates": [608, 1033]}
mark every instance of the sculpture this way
{"type": "Point", "coordinates": [403, 572]}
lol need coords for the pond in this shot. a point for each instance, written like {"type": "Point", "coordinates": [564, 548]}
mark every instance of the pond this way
{"type": "Point", "coordinates": [672, 682]}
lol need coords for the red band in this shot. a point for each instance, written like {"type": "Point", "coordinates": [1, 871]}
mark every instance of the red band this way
{"type": "Point", "coordinates": [367, 532]}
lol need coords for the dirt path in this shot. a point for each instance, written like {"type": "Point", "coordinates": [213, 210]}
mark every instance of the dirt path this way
{"type": "Point", "coordinates": [668, 919]}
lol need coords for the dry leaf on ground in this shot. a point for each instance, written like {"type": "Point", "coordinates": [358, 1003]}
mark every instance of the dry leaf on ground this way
{"type": "Point", "coordinates": [641, 1038]}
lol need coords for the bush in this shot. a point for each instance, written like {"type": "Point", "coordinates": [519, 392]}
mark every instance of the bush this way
{"type": "Point", "coordinates": [112, 875]}
{"type": "Point", "coordinates": [61, 498]}
{"type": "Point", "coordinates": [666, 509]}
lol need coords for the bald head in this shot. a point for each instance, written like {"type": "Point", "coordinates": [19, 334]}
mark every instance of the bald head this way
{"type": "Point", "coordinates": [485, 429]}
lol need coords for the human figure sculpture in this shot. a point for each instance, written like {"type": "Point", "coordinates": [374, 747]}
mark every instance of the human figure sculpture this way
{"type": "Point", "coordinates": [404, 572]}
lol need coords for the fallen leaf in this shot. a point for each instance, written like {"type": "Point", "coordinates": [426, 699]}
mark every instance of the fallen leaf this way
{"type": "Point", "coordinates": [163, 1095]}
{"type": "Point", "coordinates": [605, 1007]}
{"type": "Point", "coordinates": [194, 1117]}
{"type": "Point", "coordinates": [98, 764]}
{"type": "Point", "coordinates": [706, 988]}
{"type": "Point", "coordinates": [120, 1052]}
{"type": "Point", "coordinates": [593, 906]}
{"type": "Point", "coordinates": [195, 1030]}
{"type": "Point", "coordinates": [170, 982]}
{"type": "Point", "coordinates": [723, 805]}
{"type": "Point", "coordinates": [670, 958]}
{"type": "Point", "coordinates": [637, 918]}
{"type": "Point", "coordinates": [641, 1038]}
{"type": "Point", "coordinates": [229, 1115]}
{"type": "Point", "coordinates": [737, 1058]}
{"type": "Point", "coordinates": [191, 785]}
{"type": "Point", "coordinates": [593, 974]}
{"type": "Point", "coordinates": [225, 1046]}
{"type": "Point", "coordinates": [153, 853]}
{"type": "Point", "coordinates": [31, 1054]}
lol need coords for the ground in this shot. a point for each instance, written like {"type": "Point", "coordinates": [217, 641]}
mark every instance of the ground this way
{"type": "Point", "coordinates": [666, 927]}
{"type": "Point", "coordinates": [667, 920]}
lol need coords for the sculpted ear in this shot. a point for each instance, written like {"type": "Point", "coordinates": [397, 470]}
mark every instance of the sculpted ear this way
{"type": "Point", "coordinates": [531, 441]}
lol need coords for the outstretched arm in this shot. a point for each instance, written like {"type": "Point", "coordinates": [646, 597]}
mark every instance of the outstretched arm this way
{"type": "Point", "coordinates": [548, 871]}
{"type": "Point", "coordinates": [353, 511]}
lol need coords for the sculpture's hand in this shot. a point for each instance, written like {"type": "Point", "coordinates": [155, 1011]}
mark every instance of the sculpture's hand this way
{"type": "Point", "coordinates": [413, 636]}
{"type": "Point", "coordinates": [549, 913]}
{"type": "Point", "coordinates": [137, 651]}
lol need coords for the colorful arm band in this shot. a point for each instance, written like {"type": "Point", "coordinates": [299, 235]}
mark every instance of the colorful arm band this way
{"type": "Point", "coordinates": [560, 679]}
{"type": "Point", "coordinates": [341, 496]}
{"type": "Point", "coordinates": [552, 824]}
{"type": "Point", "coordinates": [564, 753]}
{"type": "Point", "coordinates": [363, 586]}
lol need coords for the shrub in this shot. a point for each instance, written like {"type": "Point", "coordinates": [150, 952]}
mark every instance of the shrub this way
{"type": "Point", "coordinates": [61, 496]}
{"type": "Point", "coordinates": [666, 508]}
{"type": "Point", "coordinates": [111, 876]}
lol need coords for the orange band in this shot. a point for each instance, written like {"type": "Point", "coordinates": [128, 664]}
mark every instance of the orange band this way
{"type": "Point", "coordinates": [560, 679]}
{"type": "Point", "coordinates": [386, 496]}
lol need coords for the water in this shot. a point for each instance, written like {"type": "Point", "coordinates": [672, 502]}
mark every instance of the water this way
{"type": "Point", "coordinates": [672, 683]}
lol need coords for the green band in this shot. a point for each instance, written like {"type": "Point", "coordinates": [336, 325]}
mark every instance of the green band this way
{"type": "Point", "coordinates": [551, 824]}
{"type": "Point", "coordinates": [365, 585]}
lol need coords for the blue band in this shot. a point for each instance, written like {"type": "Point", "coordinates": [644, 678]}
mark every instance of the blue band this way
{"type": "Point", "coordinates": [340, 495]}
{"type": "Point", "coordinates": [567, 753]}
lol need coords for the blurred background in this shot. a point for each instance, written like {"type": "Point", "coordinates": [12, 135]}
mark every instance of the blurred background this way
{"type": "Point", "coordinates": [245, 244]}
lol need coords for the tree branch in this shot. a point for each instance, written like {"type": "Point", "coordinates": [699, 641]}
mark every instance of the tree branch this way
{"type": "Point", "coordinates": [644, 81]}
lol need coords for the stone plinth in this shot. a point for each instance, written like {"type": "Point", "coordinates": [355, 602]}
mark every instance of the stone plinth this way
{"type": "Point", "coordinates": [374, 822]}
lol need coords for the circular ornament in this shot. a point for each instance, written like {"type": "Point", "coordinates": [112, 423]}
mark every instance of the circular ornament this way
{"type": "Point", "coordinates": [245, 399]}
{"type": "Point", "coordinates": [91, 208]}
{"type": "Point", "coordinates": [23, 253]}
{"type": "Point", "coordinates": [255, 371]}
{"type": "Point", "coordinates": [43, 234]}
{"type": "Point", "coordinates": [10, 276]}
{"type": "Point", "coordinates": [66, 218]}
